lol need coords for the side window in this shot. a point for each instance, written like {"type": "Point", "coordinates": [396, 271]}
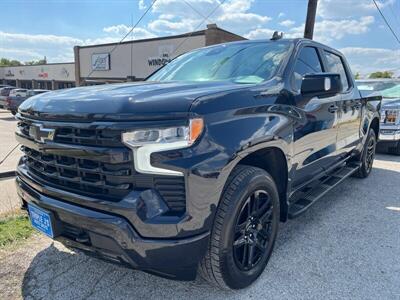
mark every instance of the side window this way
{"type": "Point", "coordinates": [335, 65]}
{"type": "Point", "coordinates": [307, 62]}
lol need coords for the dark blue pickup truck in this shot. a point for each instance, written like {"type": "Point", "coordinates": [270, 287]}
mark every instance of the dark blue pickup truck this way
{"type": "Point", "coordinates": [192, 170]}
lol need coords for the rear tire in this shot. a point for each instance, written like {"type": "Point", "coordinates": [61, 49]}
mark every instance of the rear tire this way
{"type": "Point", "coordinates": [367, 157]}
{"type": "Point", "coordinates": [13, 112]}
{"type": "Point", "coordinates": [244, 231]}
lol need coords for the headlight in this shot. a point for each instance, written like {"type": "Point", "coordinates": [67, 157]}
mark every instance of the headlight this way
{"type": "Point", "coordinates": [144, 142]}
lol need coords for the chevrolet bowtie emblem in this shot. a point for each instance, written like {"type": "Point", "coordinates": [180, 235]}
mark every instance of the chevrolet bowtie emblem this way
{"type": "Point", "coordinates": [41, 134]}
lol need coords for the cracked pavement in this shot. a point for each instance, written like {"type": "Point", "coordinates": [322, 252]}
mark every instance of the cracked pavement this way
{"type": "Point", "coordinates": [345, 247]}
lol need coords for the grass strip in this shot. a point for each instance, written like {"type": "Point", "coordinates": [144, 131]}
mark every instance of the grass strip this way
{"type": "Point", "coordinates": [14, 228]}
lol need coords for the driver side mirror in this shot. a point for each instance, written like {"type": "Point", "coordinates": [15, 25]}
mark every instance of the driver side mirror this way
{"type": "Point", "coordinates": [324, 84]}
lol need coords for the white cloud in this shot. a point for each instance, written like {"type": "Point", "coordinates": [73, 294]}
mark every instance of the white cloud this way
{"type": "Point", "coordinates": [171, 27]}
{"type": "Point", "coordinates": [287, 23]}
{"type": "Point", "coordinates": [59, 48]}
{"type": "Point", "coordinates": [20, 54]}
{"type": "Point", "coordinates": [7, 37]}
{"type": "Point", "coordinates": [334, 9]}
{"type": "Point", "coordinates": [260, 33]}
{"type": "Point", "coordinates": [142, 5]}
{"type": "Point", "coordinates": [328, 30]}
{"type": "Point", "coordinates": [177, 16]}
{"type": "Point", "coordinates": [281, 15]}
{"type": "Point", "coordinates": [122, 30]}
{"type": "Point", "coordinates": [26, 47]}
{"type": "Point", "coordinates": [367, 60]}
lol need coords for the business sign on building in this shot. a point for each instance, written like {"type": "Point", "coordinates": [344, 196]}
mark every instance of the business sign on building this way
{"type": "Point", "coordinates": [101, 61]}
{"type": "Point", "coordinates": [164, 56]}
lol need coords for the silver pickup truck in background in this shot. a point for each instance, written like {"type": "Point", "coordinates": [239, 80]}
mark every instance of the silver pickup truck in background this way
{"type": "Point", "coordinates": [389, 89]}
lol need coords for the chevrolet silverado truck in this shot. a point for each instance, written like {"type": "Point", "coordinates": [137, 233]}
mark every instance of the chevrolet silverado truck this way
{"type": "Point", "coordinates": [192, 170]}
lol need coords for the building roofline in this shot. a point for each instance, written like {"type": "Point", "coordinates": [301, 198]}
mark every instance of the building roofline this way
{"type": "Point", "coordinates": [49, 64]}
{"type": "Point", "coordinates": [221, 29]}
{"type": "Point", "coordinates": [189, 34]}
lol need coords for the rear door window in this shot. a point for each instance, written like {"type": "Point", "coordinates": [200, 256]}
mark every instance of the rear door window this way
{"type": "Point", "coordinates": [335, 65]}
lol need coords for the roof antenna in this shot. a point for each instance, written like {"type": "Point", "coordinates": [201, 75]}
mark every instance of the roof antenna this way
{"type": "Point", "coordinates": [277, 35]}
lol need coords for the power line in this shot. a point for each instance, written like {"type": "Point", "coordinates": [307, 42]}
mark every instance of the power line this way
{"type": "Point", "coordinates": [397, 19]}
{"type": "Point", "coordinates": [129, 32]}
{"type": "Point", "coordinates": [387, 23]}
{"type": "Point", "coordinates": [197, 27]}
{"type": "Point", "coordinates": [199, 13]}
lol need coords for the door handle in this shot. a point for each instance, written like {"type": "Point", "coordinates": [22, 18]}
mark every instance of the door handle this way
{"type": "Point", "coordinates": [333, 108]}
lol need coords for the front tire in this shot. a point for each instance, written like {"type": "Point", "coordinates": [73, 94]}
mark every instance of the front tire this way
{"type": "Point", "coordinates": [367, 156]}
{"type": "Point", "coordinates": [244, 231]}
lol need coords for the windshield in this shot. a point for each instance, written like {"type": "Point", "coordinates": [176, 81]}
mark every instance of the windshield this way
{"type": "Point", "coordinates": [240, 63]}
{"type": "Point", "coordinates": [374, 86]}
{"type": "Point", "coordinates": [387, 89]}
{"type": "Point", "coordinates": [393, 92]}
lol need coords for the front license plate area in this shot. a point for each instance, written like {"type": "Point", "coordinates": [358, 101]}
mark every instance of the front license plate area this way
{"type": "Point", "coordinates": [41, 220]}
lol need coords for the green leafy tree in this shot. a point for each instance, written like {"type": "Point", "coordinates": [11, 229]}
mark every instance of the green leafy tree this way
{"type": "Point", "coordinates": [357, 76]}
{"type": "Point", "coordinates": [36, 62]}
{"type": "Point", "coordinates": [379, 74]}
{"type": "Point", "coordinates": [4, 62]}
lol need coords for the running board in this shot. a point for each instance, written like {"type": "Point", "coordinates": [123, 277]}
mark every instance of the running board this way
{"type": "Point", "coordinates": [309, 195]}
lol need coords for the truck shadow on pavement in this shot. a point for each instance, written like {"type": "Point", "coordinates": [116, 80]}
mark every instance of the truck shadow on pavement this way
{"type": "Point", "coordinates": [331, 240]}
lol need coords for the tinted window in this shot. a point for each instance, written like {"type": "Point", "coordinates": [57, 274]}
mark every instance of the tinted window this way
{"type": "Point", "coordinates": [335, 65]}
{"type": "Point", "coordinates": [307, 62]}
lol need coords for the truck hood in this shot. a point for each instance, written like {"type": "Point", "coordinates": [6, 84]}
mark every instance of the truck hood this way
{"type": "Point", "coordinates": [127, 101]}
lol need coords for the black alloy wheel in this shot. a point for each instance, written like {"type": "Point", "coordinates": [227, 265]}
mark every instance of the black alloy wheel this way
{"type": "Point", "coordinates": [253, 230]}
{"type": "Point", "coordinates": [244, 231]}
{"type": "Point", "coordinates": [371, 146]}
{"type": "Point", "coordinates": [366, 159]}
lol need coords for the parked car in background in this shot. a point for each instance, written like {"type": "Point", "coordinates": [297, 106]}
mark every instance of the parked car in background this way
{"type": "Point", "coordinates": [4, 93]}
{"type": "Point", "coordinates": [17, 96]}
{"type": "Point", "coordinates": [18, 92]}
{"type": "Point", "coordinates": [36, 92]}
{"type": "Point", "coordinates": [389, 89]}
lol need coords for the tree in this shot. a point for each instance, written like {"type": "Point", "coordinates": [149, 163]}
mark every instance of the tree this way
{"type": "Point", "coordinates": [357, 76]}
{"type": "Point", "coordinates": [36, 62]}
{"type": "Point", "coordinates": [4, 62]}
{"type": "Point", "coordinates": [379, 74]}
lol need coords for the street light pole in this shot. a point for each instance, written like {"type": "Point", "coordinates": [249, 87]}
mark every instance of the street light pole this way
{"type": "Point", "coordinates": [310, 21]}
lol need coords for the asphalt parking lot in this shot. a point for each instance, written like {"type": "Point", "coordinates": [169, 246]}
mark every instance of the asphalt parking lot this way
{"type": "Point", "coordinates": [8, 124]}
{"type": "Point", "coordinates": [346, 246]}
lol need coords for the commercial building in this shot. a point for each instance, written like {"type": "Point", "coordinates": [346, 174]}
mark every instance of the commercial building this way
{"type": "Point", "coordinates": [48, 76]}
{"type": "Point", "coordinates": [135, 60]}
{"type": "Point", "coordinates": [115, 62]}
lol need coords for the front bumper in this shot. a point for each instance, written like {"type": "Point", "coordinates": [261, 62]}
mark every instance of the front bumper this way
{"type": "Point", "coordinates": [389, 135]}
{"type": "Point", "coordinates": [113, 238]}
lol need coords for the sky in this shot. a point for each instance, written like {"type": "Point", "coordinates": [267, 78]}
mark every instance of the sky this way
{"type": "Point", "coordinates": [32, 29]}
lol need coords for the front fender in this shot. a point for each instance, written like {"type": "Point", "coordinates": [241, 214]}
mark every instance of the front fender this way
{"type": "Point", "coordinates": [229, 136]}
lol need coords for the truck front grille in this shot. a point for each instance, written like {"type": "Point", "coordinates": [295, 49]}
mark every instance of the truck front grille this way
{"type": "Point", "coordinates": [94, 178]}
{"type": "Point", "coordinates": [80, 136]}
{"type": "Point", "coordinates": [107, 181]}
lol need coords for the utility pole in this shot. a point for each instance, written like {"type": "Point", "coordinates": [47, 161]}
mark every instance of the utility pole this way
{"type": "Point", "coordinates": [310, 21]}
